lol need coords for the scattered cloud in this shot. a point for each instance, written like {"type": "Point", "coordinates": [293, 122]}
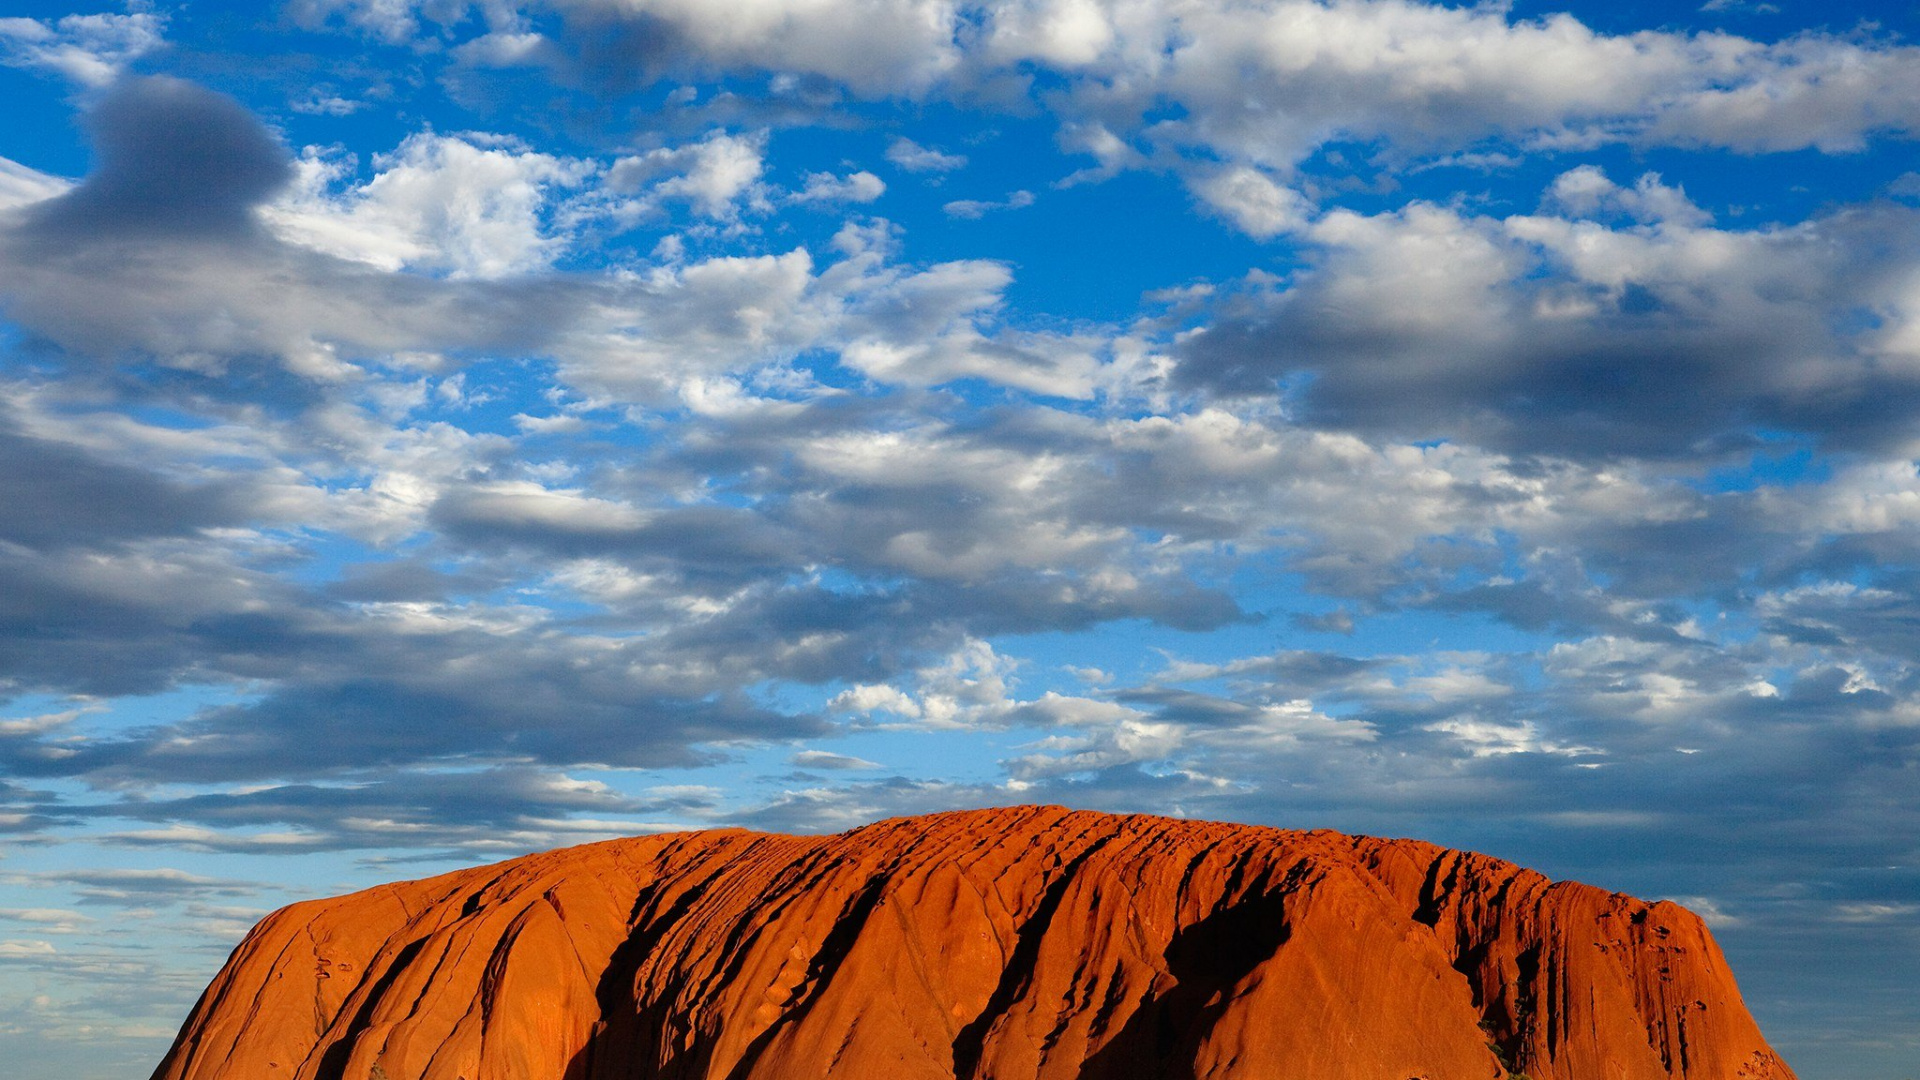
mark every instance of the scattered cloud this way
{"type": "Point", "coordinates": [974, 209]}
{"type": "Point", "coordinates": [854, 187]}
{"type": "Point", "coordinates": [1570, 335]}
{"type": "Point", "coordinates": [472, 206]}
{"type": "Point", "coordinates": [594, 463]}
{"type": "Point", "coordinates": [90, 50]}
{"type": "Point", "coordinates": [717, 176]}
{"type": "Point", "coordinates": [821, 759]}
{"type": "Point", "coordinates": [911, 156]}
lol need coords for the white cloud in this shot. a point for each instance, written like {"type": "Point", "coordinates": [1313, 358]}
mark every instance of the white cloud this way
{"type": "Point", "coordinates": [968, 689]}
{"type": "Point", "coordinates": [1264, 83]}
{"type": "Point", "coordinates": [724, 314]}
{"type": "Point", "coordinates": [1251, 200]}
{"type": "Point", "coordinates": [929, 326]}
{"type": "Point", "coordinates": [821, 759]}
{"type": "Point", "coordinates": [50, 920]}
{"type": "Point", "coordinates": [1487, 738]}
{"type": "Point", "coordinates": [501, 48]}
{"type": "Point", "coordinates": [471, 206]}
{"type": "Point", "coordinates": [1872, 911]}
{"type": "Point", "coordinates": [718, 176]}
{"type": "Point", "coordinates": [854, 187]}
{"type": "Point", "coordinates": [22, 186]}
{"type": "Point", "coordinates": [1541, 331]}
{"type": "Point", "coordinates": [897, 324]}
{"type": "Point", "coordinates": [40, 725]}
{"type": "Point", "coordinates": [516, 504]}
{"type": "Point", "coordinates": [868, 698]}
{"type": "Point", "coordinates": [973, 209]}
{"type": "Point", "coordinates": [320, 102]}
{"type": "Point", "coordinates": [1113, 153]}
{"type": "Point", "coordinates": [477, 206]}
{"type": "Point", "coordinates": [911, 156]}
{"type": "Point", "coordinates": [91, 50]}
{"type": "Point", "coordinates": [1059, 33]}
{"type": "Point", "coordinates": [1712, 911]}
{"type": "Point", "coordinates": [1131, 741]}
{"type": "Point", "coordinates": [393, 21]}
{"type": "Point", "coordinates": [1587, 191]}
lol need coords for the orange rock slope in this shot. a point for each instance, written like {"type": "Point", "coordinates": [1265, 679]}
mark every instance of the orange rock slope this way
{"type": "Point", "coordinates": [1031, 942]}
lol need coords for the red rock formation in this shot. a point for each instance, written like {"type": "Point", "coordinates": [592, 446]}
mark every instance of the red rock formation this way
{"type": "Point", "coordinates": [1031, 942]}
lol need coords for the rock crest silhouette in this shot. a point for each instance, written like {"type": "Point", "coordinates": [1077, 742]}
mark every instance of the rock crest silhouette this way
{"type": "Point", "coordinates": [1029, 942]}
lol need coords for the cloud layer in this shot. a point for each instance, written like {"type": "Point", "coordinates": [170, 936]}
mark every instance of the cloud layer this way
{"type": "Point", "coordinates": [662, 414]}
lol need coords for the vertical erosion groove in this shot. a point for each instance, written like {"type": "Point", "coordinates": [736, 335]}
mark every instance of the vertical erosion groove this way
{"type": "Point", "coordinates": [970, 1045]}
{"type": "Point", "coordinates": [833, 949]}
{"type": "Point", "coordinates": [333, 1062]}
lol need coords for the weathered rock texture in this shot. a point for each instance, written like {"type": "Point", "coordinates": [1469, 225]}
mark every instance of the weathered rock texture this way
{"type": "Point", "coordinates": [1021, 943]}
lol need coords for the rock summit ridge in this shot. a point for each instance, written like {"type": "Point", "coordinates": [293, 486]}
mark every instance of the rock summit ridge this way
{"type": "Point", "coordinates": [1025, 943]}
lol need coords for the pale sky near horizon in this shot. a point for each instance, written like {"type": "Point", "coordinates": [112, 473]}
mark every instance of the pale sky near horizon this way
{"type": "Point", "coordinates": [432, 431]}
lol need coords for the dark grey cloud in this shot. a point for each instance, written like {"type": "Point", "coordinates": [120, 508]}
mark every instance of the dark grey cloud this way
{"type": "Point", "coordinates": [1544, 605]}
{"type": "Point", "coordinates": [170, 158]}
{"type": "Point", "coordinates": [79, 623]}
{"type": "Point", "coordinates": [127, 886]}
{"type": "Point", "coordinates": [347, 696]}
{"type": "Point", "coordinates": [876, 51]}
{"type": "Point", "coordinates": [346, 686]}
{"type": "Point", "coordinates": [404, 580]}
{"type": "Point", "coordinates": [254, 322]}
{"type": "Point", "coordinates": [1881, 616]}
{"type": "Point", "coordinates": [159, 262]}
{"type": "Point", "coordinates": [25, 812]}
{"type": "Point", "coordinates": [350, 681]}
{"type": "Point", "coordinates": [1426, 325]}
{"type": "Point", "coordinates": [58, 495]}
{"type": "Point", "coordinates": [459, 811]}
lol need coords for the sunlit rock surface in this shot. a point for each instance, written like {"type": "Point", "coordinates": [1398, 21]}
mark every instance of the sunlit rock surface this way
{"type": "Point", "coordinates": [1018, 943]}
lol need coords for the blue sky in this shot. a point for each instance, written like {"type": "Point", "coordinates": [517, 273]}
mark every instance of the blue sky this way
{"type": "Point", "coordinates": [433, 431]}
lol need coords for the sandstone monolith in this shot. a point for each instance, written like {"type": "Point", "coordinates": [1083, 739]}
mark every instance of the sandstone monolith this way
{"type": "Point", "coordinates": [1029, 943]}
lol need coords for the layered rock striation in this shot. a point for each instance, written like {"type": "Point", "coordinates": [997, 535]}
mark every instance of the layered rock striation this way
{"type": "Point", "coordinates": [1031, 942]}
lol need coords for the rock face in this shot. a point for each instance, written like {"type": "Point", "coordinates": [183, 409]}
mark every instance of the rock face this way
{"type": "Point", "coordinates": [1031, 942]}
